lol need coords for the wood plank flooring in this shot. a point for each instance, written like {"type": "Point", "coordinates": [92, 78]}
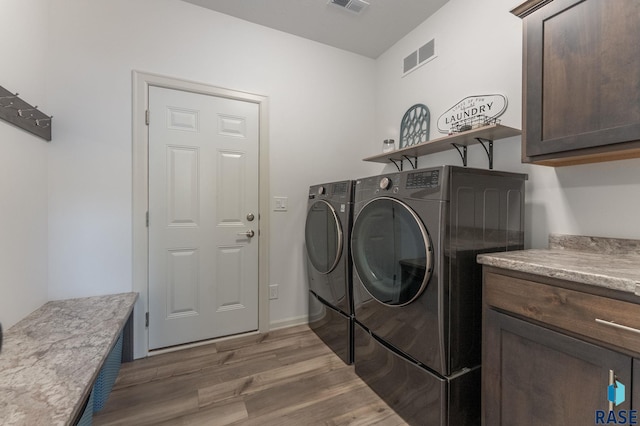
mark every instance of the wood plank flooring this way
{"type": "Point", "coordinates": [287, 377]}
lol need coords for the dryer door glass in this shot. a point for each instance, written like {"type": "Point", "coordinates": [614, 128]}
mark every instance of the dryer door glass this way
{"type": "Point", "coordinates": [391, 251]}
{"type": "Point", "coordinates": [323, 237]}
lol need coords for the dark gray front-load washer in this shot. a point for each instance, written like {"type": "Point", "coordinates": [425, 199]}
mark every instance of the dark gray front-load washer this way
{"type": "Point", "coordinates": [417, 286]}
{"type": "Point", "coordinates": [329, 267]}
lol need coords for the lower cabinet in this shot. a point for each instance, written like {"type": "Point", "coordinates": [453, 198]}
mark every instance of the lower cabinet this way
{"type": "Point", "coordinates": [536, 376]}
{"type": "Point", "coordinates": [534, 373]}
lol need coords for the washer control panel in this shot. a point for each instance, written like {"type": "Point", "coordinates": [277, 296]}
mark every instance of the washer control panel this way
{"type": "Point", "coordinates": [340, 188]}
{"type": "Point", "coordinates": [423, 179]}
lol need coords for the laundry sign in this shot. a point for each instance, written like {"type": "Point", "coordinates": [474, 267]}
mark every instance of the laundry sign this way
{"type": "Point", "coordinates": [472, 110]}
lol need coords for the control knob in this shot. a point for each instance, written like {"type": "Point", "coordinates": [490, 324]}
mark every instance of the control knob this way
{"type": "Point", "coordinates": [385, 183]}
{"type": "Point", "coordinates": [321, 190]}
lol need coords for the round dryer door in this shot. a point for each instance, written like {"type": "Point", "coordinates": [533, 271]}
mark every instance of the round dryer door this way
{"type": "Point", "coordinates": [391, 251]}
{"type": "Point", "coordinates": [323, 237]}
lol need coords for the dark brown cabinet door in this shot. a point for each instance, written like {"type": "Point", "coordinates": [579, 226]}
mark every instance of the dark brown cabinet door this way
{"type": "Point", "coordinates": [535, 376]}
{"type": "Point", "coordinates": [581, 80]}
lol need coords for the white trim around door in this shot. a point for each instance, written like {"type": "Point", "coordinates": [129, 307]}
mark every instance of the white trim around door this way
{"type": "Point", "coordinates": [141, 83]}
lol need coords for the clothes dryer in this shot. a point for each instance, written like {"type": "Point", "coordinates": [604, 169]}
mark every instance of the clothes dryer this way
{"type": "Point", "coordinates": [329, 267]}
{"type": "Point", "coordinates": [418, 288]}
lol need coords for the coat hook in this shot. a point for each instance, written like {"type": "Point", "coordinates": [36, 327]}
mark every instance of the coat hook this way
{"type": "Point", "coordinates": [21, 111]}
{"type": "Point", "coordinates": [39, 120]}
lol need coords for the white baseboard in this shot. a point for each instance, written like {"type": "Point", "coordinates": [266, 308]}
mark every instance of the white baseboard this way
{"type": "Point", "coordinates": [288, 322]}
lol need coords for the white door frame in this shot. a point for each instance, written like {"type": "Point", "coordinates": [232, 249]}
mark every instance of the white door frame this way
{"type": "Point", "coordinates": [140, 199]}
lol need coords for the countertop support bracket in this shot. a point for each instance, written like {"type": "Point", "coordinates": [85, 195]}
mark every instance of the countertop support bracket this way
{"type": "Point", "coordinates": [463, 152]}
{"type": "Point", "coordinates": [488, 149]}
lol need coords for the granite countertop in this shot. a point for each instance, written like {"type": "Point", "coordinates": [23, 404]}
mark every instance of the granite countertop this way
{"type": "Point", "coordinates": [603, 262]}
{"type": "Point", "coordinates": [50, 359]}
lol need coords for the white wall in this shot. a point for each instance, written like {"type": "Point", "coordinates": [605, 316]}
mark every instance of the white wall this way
{"type": "Point", "coordinates": [66, 206]}
{"type": "Point", "coordinates": [321, 116]}
{"type": "Point", "coordinates": [23, 163]}
{"type": "Point", "coordinates": [479, 48]}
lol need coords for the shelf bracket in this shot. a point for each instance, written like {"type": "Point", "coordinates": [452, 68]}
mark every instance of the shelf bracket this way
{"type": "Point", "coordinates": [488, 150]}
{"type": "Point", "coordinates": [463, 152]}
{"type": "Point", "coordinates": [395, 163]}
{"type": "Point", "coordinates": [414, 165]}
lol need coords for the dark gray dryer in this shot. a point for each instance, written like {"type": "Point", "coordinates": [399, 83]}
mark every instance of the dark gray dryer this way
{"type": "Point", "coordinates": [418, 288]}
{"type": "Point", "coordinates": [329, 267]}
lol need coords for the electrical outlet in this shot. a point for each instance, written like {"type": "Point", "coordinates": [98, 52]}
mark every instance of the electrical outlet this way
{"type": "Point", "coordinates": [273, 291]}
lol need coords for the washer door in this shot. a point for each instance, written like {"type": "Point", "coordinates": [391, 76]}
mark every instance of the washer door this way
{"type": "Point", "coordinates": [323, 237]}
{"type": "Point", "coordinates": [391, 251]}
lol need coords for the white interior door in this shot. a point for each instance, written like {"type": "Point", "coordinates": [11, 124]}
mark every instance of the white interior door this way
{"type": "Point", "coordinates": [203, 217]}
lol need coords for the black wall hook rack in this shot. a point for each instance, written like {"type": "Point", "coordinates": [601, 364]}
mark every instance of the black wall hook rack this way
{"type": "Point", "coordinates": [23, 115]}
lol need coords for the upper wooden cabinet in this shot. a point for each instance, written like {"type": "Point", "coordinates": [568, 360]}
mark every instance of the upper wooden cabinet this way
{"type": "Point", "coordinates": [581, 80]}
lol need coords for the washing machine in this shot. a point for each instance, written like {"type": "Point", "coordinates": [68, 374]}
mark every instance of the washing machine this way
{"type": "Point", "coordinates": [329, 267]}
{"type": "Point", "coordinates": [418, 288]}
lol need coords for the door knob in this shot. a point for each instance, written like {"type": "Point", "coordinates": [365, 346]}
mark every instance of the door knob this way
{"type": "Point", "coordinates": [248, 234]}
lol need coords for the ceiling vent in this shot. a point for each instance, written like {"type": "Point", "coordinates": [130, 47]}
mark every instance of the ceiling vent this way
{"type": "Point", "coordinates": [419, 57]}
{"type": "Point", "coordinates": [353, 5]}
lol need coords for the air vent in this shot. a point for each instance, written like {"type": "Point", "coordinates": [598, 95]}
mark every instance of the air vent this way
{"type": "Point", "coordinates": [353, 5]}
{"type": "Point", "coordinates": [410, 62]}
{"type": "Point", "coordinates": [419, 57]}
{"type": "Point", "coordinates": [427, 52]}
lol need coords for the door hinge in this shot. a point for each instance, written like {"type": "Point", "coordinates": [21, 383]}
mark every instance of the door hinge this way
{"type": "Point", "coordinates": [147, 219]}
{"type": "Point", "coordinates": [146, 319]}
{"type": "Point", "coordinates": [146, 117]}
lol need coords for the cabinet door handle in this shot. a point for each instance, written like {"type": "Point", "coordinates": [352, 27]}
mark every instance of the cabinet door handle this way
{"type": "Point", "coordinates": [615, 325]}
{"type": "Point", "coordinates": [612, 382]}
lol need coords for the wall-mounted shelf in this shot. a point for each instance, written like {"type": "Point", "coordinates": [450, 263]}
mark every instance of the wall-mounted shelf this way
{"type": "Point", "coordinates": [483, 135]}
{"type": "Point", "coordinates": [18, 112]}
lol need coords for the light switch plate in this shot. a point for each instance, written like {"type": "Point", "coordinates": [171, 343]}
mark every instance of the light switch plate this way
{"type": "Point", "coordinates": [280, 204]}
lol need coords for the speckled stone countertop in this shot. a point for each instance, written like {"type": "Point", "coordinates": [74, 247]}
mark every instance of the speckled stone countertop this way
{"type": "Point", "coordinates": [51, 358]}
{"type": "Point", "coordinates": [603, 262]}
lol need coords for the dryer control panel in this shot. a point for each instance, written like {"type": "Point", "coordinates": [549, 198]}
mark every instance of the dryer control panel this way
{"type": "Point", "coordinates": [423, 179]}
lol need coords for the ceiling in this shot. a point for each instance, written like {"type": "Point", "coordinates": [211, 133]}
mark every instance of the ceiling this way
{"type": "Point", "coordinates": [370, 32]}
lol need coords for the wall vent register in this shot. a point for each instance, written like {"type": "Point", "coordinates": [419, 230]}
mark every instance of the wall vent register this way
{"type": "Point", "coordinates": [355, 6]}
{"type": "Point", "coordinates": [419, 57]}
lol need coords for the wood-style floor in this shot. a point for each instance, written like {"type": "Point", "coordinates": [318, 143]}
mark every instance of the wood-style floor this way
{"type": "Point", "coordinates": [287, 377]}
